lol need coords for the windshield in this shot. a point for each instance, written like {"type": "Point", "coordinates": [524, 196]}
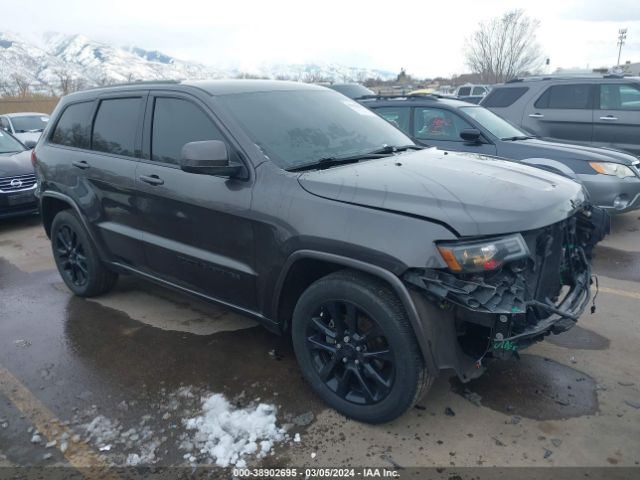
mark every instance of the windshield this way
{"type": "Point", "coordinates": [29, 123]}
{"type": "Point", "coordinates": [9, 144]}
{"type": "Point", "coordinates": [295, 128]}
{"type": "Point", "coordinates": [492, 122]}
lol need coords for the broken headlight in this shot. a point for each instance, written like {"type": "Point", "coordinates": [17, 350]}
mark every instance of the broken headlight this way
{"type": "Point", "coordinates": [482, 255]}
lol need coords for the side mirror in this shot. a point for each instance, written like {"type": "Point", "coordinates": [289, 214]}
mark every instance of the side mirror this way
{"type": "Point", "coordinates": [209, 157]}
{"type": "Point", "coordinates": [30, 144]}
{"type": "Point", "coordinates": [471, 135]}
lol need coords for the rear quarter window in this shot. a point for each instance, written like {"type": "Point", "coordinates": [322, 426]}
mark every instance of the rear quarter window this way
{"type": "Point", "coordinates": [576, 96]}
{"type": "Point", "coordinates": [72, 129]}
{"type": "Point", "coordinates": [504, 97]}
{"type": "Point", "coordinates": [396, 116]}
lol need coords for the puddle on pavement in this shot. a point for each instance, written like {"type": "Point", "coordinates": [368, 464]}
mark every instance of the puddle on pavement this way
{"type": "Point", "coordinates": [131, 353]}
{"type": "Point", "coordinates": [533, 387]}
{"type": "Point", "coordinates": [579, 338]}
{"type": "Point", "coordinates": [103, 350]}
{"type": "Point", "coordinates": [618, 264]}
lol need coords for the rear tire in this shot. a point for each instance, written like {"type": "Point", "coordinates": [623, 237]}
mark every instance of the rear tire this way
{"type": "Point", "coordinates": [77, 258]}
{"type": "Point", "coordinates": [356, 348]}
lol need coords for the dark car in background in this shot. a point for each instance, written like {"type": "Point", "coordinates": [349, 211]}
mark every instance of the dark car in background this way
{"type": "Point", "coordinates": [612, 178]}
{"type": "Point", "coordinates": [351, 90]}
{"type": "Point", "coordinates": [596, 110]}
{"type": "Point", "coordinates": [384, 261]}
{"type": "Point", "coordinates": [17, 178]}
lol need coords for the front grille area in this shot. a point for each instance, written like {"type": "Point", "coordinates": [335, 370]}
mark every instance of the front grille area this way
{"type": "Point", "coordinates": [18, 182]}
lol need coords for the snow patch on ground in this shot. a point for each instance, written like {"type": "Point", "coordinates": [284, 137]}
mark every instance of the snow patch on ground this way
{"type": "Point", "coordinates": [227, 434]}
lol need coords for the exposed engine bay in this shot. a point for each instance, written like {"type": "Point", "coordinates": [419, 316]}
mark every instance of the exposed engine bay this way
{"type": "Point", "coordinates": [501, 310]}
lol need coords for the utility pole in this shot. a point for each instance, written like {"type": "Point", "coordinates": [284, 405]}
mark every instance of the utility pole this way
{"type": "Point", "coordinates": [622, 36]}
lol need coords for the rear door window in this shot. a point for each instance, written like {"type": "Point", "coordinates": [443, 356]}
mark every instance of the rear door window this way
{"type": "Point", "coordinates": [72, 129]}
{"type": "Point", "coordinates": [175, 123]}
{"type": "Point", "coordinates": [438, 124]}
{"type": "Point", "coordinates": [503, 97]}
{"type": "Point", "coordinates": [619, 97]}
{"type": "Point", "coordinates": [464, 91]}
{"type": "Point", "coordinates": [116, 126]}
{"type": "Point", "coordinates": [396, 116]}
{"type": "Point", "coordinates": [576, 96]}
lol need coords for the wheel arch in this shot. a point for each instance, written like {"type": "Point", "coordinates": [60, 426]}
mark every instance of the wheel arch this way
{"type": "Point", "coordinates": [51, 203]}
{"type": "Point", "coordinates": [303, 267]}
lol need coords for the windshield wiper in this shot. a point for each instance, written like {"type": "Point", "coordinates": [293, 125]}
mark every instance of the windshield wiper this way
{"type": "Point", "coordinates": [516, 138]}
{"type": "Point", "coordinates": [35, 130]}
{"type": "Point", "coordinates": [381, 152]}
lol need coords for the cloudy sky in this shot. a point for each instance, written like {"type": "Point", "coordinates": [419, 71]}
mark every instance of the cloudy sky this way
{"type": "Point", "coordinates": [424, 37]}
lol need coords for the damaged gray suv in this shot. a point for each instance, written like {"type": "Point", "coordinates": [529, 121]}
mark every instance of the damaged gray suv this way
{"type": "Point", "coordinates": [384, 261]}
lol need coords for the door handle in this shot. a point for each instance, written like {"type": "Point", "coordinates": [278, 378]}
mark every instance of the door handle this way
{"type": "Point", "coordinates": [151, 179]}
{"type": "Point", "coordinates": [82, 164]}
{"type": "Point", "coordinates": [536, 115]}
{"type": "Point", "coordinates": [609, 117]}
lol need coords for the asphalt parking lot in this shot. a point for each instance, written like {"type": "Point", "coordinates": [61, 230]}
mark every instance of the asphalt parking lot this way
{"type": "Point", "coordinates": [112, 379]}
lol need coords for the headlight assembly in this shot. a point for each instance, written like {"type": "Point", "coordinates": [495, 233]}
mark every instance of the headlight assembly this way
{"type": "Point", "coordinates": [482, 255]}
{"type": "Point", "coordinates": [614, 169]}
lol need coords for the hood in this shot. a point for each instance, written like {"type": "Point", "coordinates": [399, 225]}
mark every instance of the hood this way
{"type": "Point", "coordinates": [26, 136]}
{"type": "Point", "coordinates": [16, 164]}
{"type": "Point", "coordinates": [472, 194]}
{"type": "Point", "coordinates": [562, 151]}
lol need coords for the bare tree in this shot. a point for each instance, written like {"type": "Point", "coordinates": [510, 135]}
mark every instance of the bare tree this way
{"type": "Point", "coordinates": [504, 47]}
{"type": "Point", "coordinates": [21, 83]}
{"type": "Point", "coordinates": [67, 83]}
{"type": "Point", "coordinates": [7, 89]}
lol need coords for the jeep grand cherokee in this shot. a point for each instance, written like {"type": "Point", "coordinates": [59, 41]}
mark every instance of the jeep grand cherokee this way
{"type": "Point", "coordinates": [292, 204]}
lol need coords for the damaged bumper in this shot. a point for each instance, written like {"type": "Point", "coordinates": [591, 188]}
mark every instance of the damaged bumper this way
{"type": "Point", "coordinates": [495, 314]}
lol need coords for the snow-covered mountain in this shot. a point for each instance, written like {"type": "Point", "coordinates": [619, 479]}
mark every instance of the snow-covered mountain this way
{"type": "Point", "coordinates": [90, 63]}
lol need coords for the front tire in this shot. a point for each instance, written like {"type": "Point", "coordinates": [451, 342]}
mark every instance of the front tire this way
{"type": "Point", "coordinates": [77, 259]}
{"type": "Point", "coordinates": [356, 348]}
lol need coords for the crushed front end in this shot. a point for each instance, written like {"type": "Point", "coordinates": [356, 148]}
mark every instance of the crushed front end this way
{"type": "Point", "coordinates": [502, 294]}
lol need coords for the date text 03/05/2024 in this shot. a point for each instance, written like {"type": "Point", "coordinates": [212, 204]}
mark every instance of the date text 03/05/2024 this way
{"type": "Point", "coordinates": [374, 472]}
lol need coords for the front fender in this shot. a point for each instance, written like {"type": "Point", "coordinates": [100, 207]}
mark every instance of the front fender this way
{"type": "Point", "coordinates": [419, 328]}
{"type": "Point", "coordinates": [552, 166]}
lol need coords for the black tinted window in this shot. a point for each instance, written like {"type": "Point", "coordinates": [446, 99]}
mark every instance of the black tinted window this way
{"type": "Point", "coordinates": [464, 91]}
{"type": "Point", "coordinates": [114, 130]}
{"type": "Point", "coordinates": [176, 122]}
{"type": "Point", "coordinates": [503, 97]}
{"type": "Point", "coordinates": [73, 127]}
{"type": "Point", "coordinates": [566, 96]}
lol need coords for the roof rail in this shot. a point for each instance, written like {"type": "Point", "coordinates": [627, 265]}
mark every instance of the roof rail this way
{"type": "Point", "coordinates": [565, 76]}
{"type": "Point", "coordinates": [416, 96]}
{"type": "Point", "coordinates": [138, 82]}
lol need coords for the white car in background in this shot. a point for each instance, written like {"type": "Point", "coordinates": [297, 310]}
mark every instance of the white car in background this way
{"type": "Point", "coordinates": [25, 126]}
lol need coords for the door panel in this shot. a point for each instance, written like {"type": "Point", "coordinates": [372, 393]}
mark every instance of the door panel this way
{"type": "Point", "coordinates": [198, 230]}
{"type": "Point", "coordinates": [110, 170]}
{"type": "Point", "coordinates": [562, 112]}
{"type": "Point", "coordinates": [617, 122]}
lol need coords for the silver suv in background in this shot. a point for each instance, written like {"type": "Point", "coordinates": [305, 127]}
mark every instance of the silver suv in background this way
{"type": "Point", "coordinates": [602, 110]}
